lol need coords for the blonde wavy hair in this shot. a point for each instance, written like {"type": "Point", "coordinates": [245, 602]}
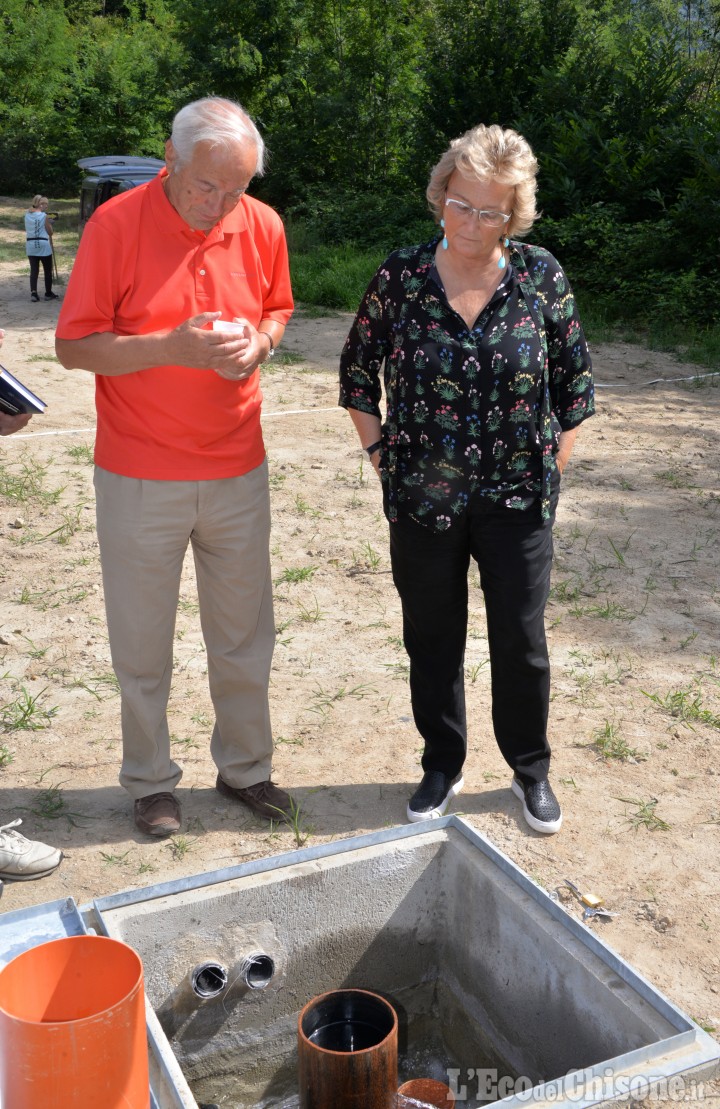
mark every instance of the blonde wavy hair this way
{"type": "Point", "coordinates": [490, 153]}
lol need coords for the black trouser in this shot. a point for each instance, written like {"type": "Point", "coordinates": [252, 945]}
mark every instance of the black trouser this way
{"type": "Point", "coordinates": [35, 261]}
{"type": "Point", "coordinates": [513, 550]}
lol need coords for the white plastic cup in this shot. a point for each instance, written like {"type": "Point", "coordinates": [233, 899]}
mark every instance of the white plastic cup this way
{"type": "Point", "coordinates": [227, 325]}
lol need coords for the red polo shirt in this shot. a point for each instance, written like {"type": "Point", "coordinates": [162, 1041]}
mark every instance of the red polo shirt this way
{"type": "Point", "coordinates": [141, 268]}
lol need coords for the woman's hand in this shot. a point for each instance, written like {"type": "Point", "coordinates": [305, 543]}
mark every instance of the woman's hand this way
{"type": "Point", "coordinates": [566, 442]}
{"type": "Point", "coordinates": [368, 428]}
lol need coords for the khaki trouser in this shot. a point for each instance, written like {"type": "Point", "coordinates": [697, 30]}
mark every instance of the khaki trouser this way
{"type": "Point", "coordinates": [143, 529]}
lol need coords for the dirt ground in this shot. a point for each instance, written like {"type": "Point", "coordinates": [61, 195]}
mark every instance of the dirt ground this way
{"type": "Point", "coordinates": [634, 630]}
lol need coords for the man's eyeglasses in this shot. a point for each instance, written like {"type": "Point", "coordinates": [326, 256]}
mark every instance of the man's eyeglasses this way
{"type": "Point", "coordinates": [465, 211]}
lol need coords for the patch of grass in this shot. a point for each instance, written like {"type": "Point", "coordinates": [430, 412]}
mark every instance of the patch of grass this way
{"type": "Point", "coordinates": [180, 846]}
{"type": "Point", "coordinates": [294, 574]}
{"type": "Point", "coordinates": [287, 358]}
{"type": "Point", "coordinates": [114, 860]}
{"type": "Point", "coordinates": [564, 592]}
{"type": "Point", "coordinates": [70, 524]}
{"type": "Point", "coordinates": [473, 670]}
{"type": "Point", "coordinates": [333, 276]}
{"type": "Point", "coordinates": [644, 815]}
{"type": "Point", "coordinates": [398, 669]}
{"type": "Point", "coordinates": [13, 252]}
{"type": "Point", "coordinates": [100, 686]}
{"type": "Point", "coordinates": [35, 652]}
{"type": "Point", "coordinates": [306, 509]}
{"type": "Point", "coordinates": [81, 453]}
{"type": "Point", "coordinates": [609, 744]}
{"type": "Point", "coordinates": [367, 557]}
{"type": "Point", "coordinates": [323, 701]}
{"type": "Point", "coordinates": [24, 483]}
{"type": "Point", "coordinates": [6, 756]}
{"type": "Point", "coordinates": [295, 741]}
{"type": "Point", "coordinates": [610, 610]}
{"type": "Point", "coordinates": [25, 713]}
{"type": "Point", "coordinates": [27, 597]}
{"type": "Point", "coordinates": [310, 614]}
{"type": "Point", "coordinates": [685, 705]}
{"type": "Point", "coordinates": [706, 1024]}
{"type": "Point", "coordinates": [50, 804]}
{"type": "Point", "coordinates": [187, 742]}
{"type": "Point", "coordinates": [294, 821]}
{"type": "Point", "coordinates": [674, 479]}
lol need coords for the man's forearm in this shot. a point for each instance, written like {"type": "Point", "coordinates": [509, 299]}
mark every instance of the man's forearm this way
{"type": "Point", "coordinates": [192, 344]}
{"type": "Point", "coordinates": [111, 355]}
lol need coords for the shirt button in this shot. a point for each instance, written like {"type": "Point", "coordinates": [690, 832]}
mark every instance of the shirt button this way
{"type": "Point", "coordinates": [202, 273]}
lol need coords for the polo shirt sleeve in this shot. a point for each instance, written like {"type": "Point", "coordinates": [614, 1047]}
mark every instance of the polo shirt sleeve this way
{"type": "Point", "coordinates": [88, 307]}
{"type": "Point", "coordinates": [278, 301]}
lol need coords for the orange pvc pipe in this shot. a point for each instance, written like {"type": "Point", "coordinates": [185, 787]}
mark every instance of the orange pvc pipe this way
{"type": "Point", "coordinates": [72, 1027]}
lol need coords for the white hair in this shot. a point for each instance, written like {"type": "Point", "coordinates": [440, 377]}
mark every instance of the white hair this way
{"type": "Point", "coordinates": [217, 121]}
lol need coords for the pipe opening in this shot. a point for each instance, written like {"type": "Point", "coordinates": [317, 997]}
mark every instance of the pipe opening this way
{"type": "Point", "coordinates": [257, 970]}
{"type": "Point", "coordinates": [209, 980]}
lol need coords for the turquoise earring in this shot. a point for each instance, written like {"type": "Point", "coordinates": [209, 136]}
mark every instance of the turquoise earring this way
{"type": "Point", "coordinates": [444, 242]}
{"type": "Point", "coordinates": [501, 261]}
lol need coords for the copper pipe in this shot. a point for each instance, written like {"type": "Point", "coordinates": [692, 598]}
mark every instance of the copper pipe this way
{"type": "Point", "coordinates": [347, 1052]}
{"type": "Point", "coordinates": [420, 1093]}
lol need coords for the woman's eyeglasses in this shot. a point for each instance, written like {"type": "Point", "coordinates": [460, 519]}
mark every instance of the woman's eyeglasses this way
{"type": "Point", "coordinates": [465, 211]}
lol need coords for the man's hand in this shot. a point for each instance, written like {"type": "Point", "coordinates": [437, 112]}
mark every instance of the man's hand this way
{"type": "Point", "coordinates": [253, 349]}
{"type": "Point", "coordinates": [10, 424]}
{"type": "Point", "coordinates": [192, 344]}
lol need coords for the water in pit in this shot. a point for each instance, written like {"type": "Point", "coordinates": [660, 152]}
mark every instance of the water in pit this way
{"type": "Point", "coordinates": [430, 1044]}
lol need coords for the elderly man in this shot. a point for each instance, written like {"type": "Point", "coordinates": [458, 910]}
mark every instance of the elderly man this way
{"type": "Point", "coordinates": [179, 454]}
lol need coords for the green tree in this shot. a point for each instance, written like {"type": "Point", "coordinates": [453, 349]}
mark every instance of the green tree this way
{"type": "Point", "coordinates": [36, 66]}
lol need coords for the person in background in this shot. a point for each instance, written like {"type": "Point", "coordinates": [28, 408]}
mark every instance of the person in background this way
{"type": "Point", "coordinates": [487, 378]}
{"type": "Point", "coordinates": [39, 246]}
{"type": "Point", "coordinates": [20, 858]}
{"type": "Point", "coordinates": [179, 453]}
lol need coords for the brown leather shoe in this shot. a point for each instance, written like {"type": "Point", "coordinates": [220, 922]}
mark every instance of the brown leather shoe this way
{"type": "Point", "coordinates": [158, 814]}
{"type": "Point", "coordinates": [265, 798]}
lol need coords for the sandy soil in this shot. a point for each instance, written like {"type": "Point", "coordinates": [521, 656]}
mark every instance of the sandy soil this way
{"type": "Point", "coordinates": [634, 628]}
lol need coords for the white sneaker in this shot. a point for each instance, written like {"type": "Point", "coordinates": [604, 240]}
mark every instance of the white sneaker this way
{"type": "Point", "coordinates": [23, 859]}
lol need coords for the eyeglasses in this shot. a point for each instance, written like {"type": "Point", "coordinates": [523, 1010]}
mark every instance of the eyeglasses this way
{"type": "Point", "coordinates": [489, 218]}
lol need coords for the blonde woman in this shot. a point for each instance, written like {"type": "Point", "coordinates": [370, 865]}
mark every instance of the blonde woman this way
{"type": "Point", "coordinates": [487, 377]}
{"type": "Point", "coordinates": [39, 246]}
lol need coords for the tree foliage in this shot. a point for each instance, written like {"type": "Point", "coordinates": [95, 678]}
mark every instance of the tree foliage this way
{"type": "Point", "coordinates": [357, 98]}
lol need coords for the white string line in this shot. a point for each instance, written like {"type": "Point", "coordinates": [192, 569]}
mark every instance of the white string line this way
{"type": "Point", "coordinates": [91, 430]}
{"type": "Point", "coordinates": [301, 411]}
{"type": "Point", "coordinates": [337, 408]}
{"type": "Point", "coordinates": [657, 381]}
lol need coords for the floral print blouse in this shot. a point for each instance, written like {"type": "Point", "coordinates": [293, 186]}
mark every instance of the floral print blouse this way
{"type": "Point", "coordinates": [470, 412]}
